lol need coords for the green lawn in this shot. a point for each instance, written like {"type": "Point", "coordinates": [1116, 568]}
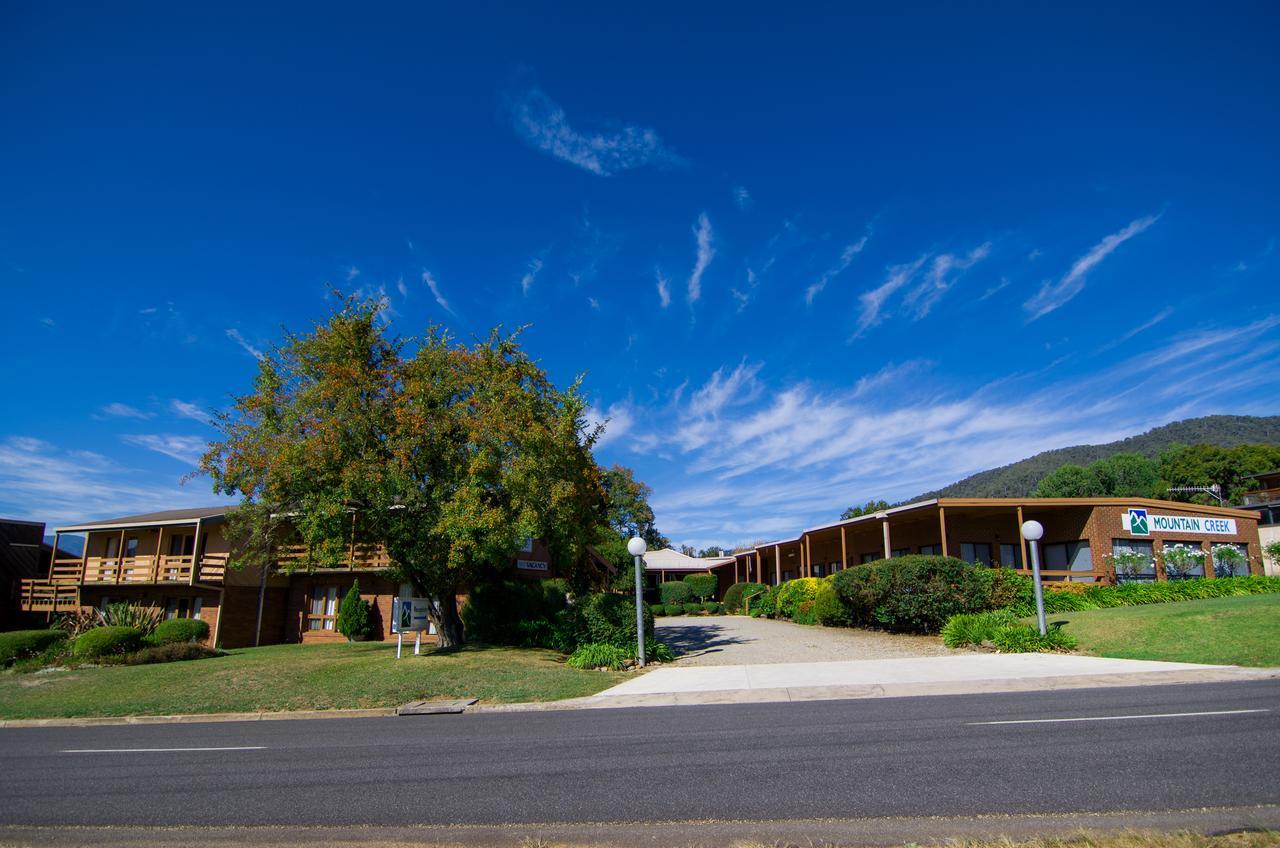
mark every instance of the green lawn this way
{"type": "Point", "coordinates": [299, 677]}
{"type": "Point", "coordinates": [1219, 631]}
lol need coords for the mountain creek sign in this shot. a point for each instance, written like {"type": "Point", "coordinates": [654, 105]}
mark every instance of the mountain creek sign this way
{"type": "Point", "coordinates": [1140, 523]}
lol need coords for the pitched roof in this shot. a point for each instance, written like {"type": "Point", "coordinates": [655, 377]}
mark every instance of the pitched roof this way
{"type": "Point", "coordinates": [167, 516]}
{"type": "Point", "coordinates": [667, 559]}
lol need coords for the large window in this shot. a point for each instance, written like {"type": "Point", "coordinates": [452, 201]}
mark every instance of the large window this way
{"type": "Point", "coordinates": [900, 552]}
{"type": "Point", "coordinates": [131, 546]}
{"type": "Point", "coordinates": [1183, 560]}
{"type": "Point", "coordinates": [1010, 555]}
{"type": "Point", "coordinates": [975, 552]}
{"type": "Point", "coordinates": [931, 550]}
{"type": "Point", "coordinates": [183, 607]}
{"type": "Point", "coordinates": [818, 569]}
{"type": "Point", "coordinates": [182, 545]}
{"type": "Point", "coordinates": [1226, 565]}
{"type": "Point", "coordinates": [324, 608]}
{"type": "Point", "coordinates": [1134, 560]}
{"type": "Point", "coordinates": [1069, 556]}
{"type": "Point", "coordinates": [872, 557]}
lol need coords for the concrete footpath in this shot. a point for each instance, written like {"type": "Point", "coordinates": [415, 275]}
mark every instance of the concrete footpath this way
{"type": "Point", "coordinates": [953, 675]}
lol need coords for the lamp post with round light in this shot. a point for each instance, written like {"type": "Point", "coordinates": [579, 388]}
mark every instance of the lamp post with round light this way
{"type": "Point", "coordinates": [1032, 531]}
{"type": "Point", "coordinates": [636, 547]}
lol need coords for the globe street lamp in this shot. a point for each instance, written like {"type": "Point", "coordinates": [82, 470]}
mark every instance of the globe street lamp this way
{"type": "Point", "coordinates": [636, 547]}
{"type": "Point", "coordinates": [1032, 531]}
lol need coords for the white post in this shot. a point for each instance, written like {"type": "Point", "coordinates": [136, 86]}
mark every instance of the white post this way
{"type": "Point", "coordinates": [1032, 531]}
{"type": "Point", "coordinates": [399, 642]}
{"type": "Point", "coordinates": [417, 643]}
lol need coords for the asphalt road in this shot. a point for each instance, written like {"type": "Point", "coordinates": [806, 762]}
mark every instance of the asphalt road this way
{"type": "Point", "coordinates": [875, 757]}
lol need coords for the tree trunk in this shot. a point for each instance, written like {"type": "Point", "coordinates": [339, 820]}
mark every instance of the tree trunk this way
{"type": "Point", "coordinates": [448, 623]}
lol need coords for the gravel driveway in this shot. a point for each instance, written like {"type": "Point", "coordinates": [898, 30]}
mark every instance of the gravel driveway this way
{"type": "Point", "coordinates": [738, 640]}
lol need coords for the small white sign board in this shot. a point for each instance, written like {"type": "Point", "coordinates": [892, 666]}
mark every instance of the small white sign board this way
{"type": "Point", "coordinates": [411, 615]}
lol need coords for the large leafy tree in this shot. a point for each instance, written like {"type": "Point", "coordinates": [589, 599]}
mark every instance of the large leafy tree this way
{"type": "Point", "coordinates": [446, 454]}
{"type": "Point", "coordinates": [1207, 465]}
{"type": "Point", "coordinates": [868, 508]}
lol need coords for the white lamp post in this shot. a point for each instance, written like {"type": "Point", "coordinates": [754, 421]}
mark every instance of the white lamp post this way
{"type": "Point", "coordinates": [636, 547]}
{"type": "Point", "coordinates": [1032, 531]}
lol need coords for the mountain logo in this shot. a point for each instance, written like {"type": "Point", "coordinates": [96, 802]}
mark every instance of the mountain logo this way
{"type": "Point", "coordinates": [1138, 524]}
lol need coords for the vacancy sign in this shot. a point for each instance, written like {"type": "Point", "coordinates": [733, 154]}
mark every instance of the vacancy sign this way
{"type": "Point", "coordinates": [1139, 523]}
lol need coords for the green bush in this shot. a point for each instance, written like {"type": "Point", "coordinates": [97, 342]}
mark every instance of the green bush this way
{"type": "Point", "coordinates": [171, 652]}
{"type": "Point", "coordinates": [658, 609]}
{"type": "Point", "coordinates": [1023, 639]}
{"type": "Point", "coordinates": [975, 628]}
{"type": "Point", "coordinates": [692, 608]}
{"type": "Point", "coordinates": [674, 609]}
{"type": "Point", "coordinates": [144, 619]}
{"type": "Point", "coordinates": [734, 595]}
{"type": "Point", "coordinates": [915, 594]}
{"type": "Point", "coordinates": [1138, 594]}
{"type": "Point", "coordinates": [179, 630]}
{"type": "Point", "coordinates": [611, 619]}
{"type": "Point", "coordinates": [795, 600]}
{"type": "Point", "coordinates": [524, 613]}
{"type": "Point", "coordinates": [766, 603]}
{"type": "Point", "coordinates": [353, 614]}
{"type": "Point", "coordinates": [600, 655]}
{"type": "Point", "coordinates": [655, 651]}
{"type": "Point", "coordinates": [675, 592]}
{"type": "Point", "coordinates": [107, 642]}
{"type": "Point", "coordinates": [713, 607]}
{"type": "Point", "coordinates": [22, 644]}
{"type": "Point", "coordinates": [702, 586]}
{"type": "Point", "coordinates": [827, 609]}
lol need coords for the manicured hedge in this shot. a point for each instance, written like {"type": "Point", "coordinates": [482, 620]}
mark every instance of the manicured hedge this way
{"type": "Point", "coordinates": [827, 608]}
{"type": "Point", "coordinates": [917, 594]}
{"type": "Point", "coordinates": [674, 609]}
{"type": "Point", "coordinates": [1078, 596]}
{"type": "Point", "coordinates": [658, 609]}
{"type": "Point", "coordinates": [713, 607]}
{"type": "Point", "coordinates": [734, 594]}
{"type": "Point", "coordinates": [675, 592]}
{"type": "Point", "coordinates": [22, 644]}
{"type": "Point", "coordinates": [107, 642]}
{"type": "Point", "coordinates": [179, 630]}
{"type": "Point", "coordinates": [795, 600]}
{"type": "Point", "coordinates": [702, 586]}
{"type": "Point", "coordinates": [692, 608]}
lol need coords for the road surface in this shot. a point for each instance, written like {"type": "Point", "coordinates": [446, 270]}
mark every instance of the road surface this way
{"type": "Point", "coordinates": [1142, 748]}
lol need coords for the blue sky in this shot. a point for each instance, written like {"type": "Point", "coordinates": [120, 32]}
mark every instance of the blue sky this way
{"type": "Point", "coordinates": [804, 259]}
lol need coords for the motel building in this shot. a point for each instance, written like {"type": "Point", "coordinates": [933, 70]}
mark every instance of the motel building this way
{"type": "Point", "coordinates": [177, 560]}
{"type": "Point", "coordinates": [1080, 536]}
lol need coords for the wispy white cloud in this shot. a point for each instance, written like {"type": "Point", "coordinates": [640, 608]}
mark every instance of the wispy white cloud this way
{"type": "Point", "coordinates": [1053, 295]}
{"type": "Point", "coordinates": [846, 258]}
{"type": "Point", "coordinates": [542, 123]}
{"type": "Point", "coordinates": [940, 277]}
{"type": "Point", "coordinates": [48, 322]}
{"type": "Point", "coordinates": [430, 280]}
{"type": "Point", "coordinates": [530, 275]}
{"type": "Point", "coordinates": [1141, 328]}
{"type": "Point", "coordinates": [352, 273]}
{"type": "Point", "coordinates": [42, 482]}
{"type": "Point", "coordinates": [664, 290]}
{"type": "Point", "coordinates": [378, 295]}
{"type": "Point", "coordinates": [742, 197]}
{"type": "Point", "coordinates": [1249, 264]}
{"type": "Point", "coordinates": [402, 286]}
{"type": "Point", "coordinates": [186, 409]}
{"type": "Point", "coordinates": [186, 449]}
{"type": "Point", "coordinates": [706, 252]}
{"type": "Point", "coordinates": [123, 410]}
{"type": "Point", "coordinates": [872, 302]}
{"type": "Point", "coordinates": [617, 421]}
{"type": "Point", "coordinates": [235, 336]}
{"type": "Point", "coordinates": [593, 303]}
{"type": "Point", "coordinates": [743, 295]}
{"type": "Point", "coordinates": [997, 288]}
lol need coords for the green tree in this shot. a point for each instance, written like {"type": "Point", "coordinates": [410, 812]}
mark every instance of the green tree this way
{"type": "Point", "coordinates": [1127, 475]}
{"type": "Point", "coordinates": [448, 455]}
{"type": "Point", "coordinates": [627, 502]}
{"type": "Point", "coordinates": [713, 551]}
{"type": "Point", "coordinates": [869, 508]}
{"type": "Point", "coordinates": [353, 614]}
{"type": "Point", "coordinates": [1069, 481]}
{"type": "Point", "coordinates": [702, 586]}
{"type": "Point", "coordinates": [1208, 465]}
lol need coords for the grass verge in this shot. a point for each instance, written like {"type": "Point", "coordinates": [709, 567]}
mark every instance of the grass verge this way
{"type": "Point", "coordinates": [299, 677]}
{"type": "Point", "coordinates": [1218, 631]}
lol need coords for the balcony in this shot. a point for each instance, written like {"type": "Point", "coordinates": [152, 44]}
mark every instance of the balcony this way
{"type": "Point", "coordinates": [60, 591]}
{"type": "Point", "coordinates": [360, 557]}
{"type": "Point", "coordinates": [1262, 497]}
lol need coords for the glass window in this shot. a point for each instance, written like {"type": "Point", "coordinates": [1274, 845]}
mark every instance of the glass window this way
{"type": "Point", "coordinates": [871, 557]}
{"type": "Point", "coordinates": [1183, 560]}
{"type": "Point", "coordinates": [786, 575]}
{"type": "Point", "coordinates": [182, 545]}
{"type": "Point", "coordinates": [817, 572]}
{"type": "Point", "coordinates": [324, 608]}
{"type": "Point", "coordinates": [976, 552]}
{"type": "Point", "coordinates": [1010, 555]}
{"type": "Point", "coordinates": [1228, 564]}
{"type": "Point", "coordinates": [931, 550]}
{"type": "Point", "coordinates": [131, 546]}
{"type": "Point", "coordinates": [900, 552]}
{"type": "Point", "coordinates": [1069, 556]}
{"type": "Point", "coordinates": [1134, 559]}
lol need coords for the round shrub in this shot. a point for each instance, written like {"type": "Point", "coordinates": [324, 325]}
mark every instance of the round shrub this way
{"type": "Point", "coordinates": [702, 586]}
{"type": "Point", "coordinates": [914, 594]}
{"type": "Point", "coordinates": [658, 609]}
{"type": "Point", "coordinates": [734, 595]}
{"type": "Point", "coordinates": [674, 609]}
{"type": "Point", "coordinates": [795, 600]}
{"type": "Point", "coordinates": [108, 642]}
{"type": "Point", "coordinates": [827, 609]}
{"type": "Point", "coordinates": [675, 592]}
{"type": "Point", "coordinates": [713, 607]}
{"type": "Point", "coordinates": [692, 609]}
{"type": "Point", "coordinates": [177, 630]}
{"type": "Point", "coordinates": [611, 619]}
{"type": "Point", "coordinates": [22, 644]}
{"type": "Point", "coordinates": [766, 603]}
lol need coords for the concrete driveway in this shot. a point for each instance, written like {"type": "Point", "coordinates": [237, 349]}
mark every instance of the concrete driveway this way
{"type": "Point", "coordinates": [738, 640]}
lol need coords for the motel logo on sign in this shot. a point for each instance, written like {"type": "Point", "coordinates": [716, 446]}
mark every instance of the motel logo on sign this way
{"type": "Point", "coordinates": [1139, 523]}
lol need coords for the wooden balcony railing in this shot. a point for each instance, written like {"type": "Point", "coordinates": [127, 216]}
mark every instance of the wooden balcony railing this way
{"type": "Point", "coordinates": [47, 596]}
{"type": "Point", "coordinates": [360, 556]}
{"type": "Point", "coordinates": [1263, 496]}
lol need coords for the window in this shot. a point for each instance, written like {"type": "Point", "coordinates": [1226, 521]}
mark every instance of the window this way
{"type": "Point", "coordinates": [113, 547]}
{"type": "Point", "coordinates": [871, 557]}
{"type": "Point", "coordinates": [786, 575]}
{"type": "Point", "coordinates": [899, 552]}
{"type": "Point", "coordinates": [526, 547]}
{"type": "Point", "coordinates": [182, 546]}
{"type": "Point", "coordinates": [1134, 560]}
{"type": "Point", "coordinates": [1182, 560]}
{"type": "Point", "coordinates": [324, 608]}
{"type": "Point", "coordinates": [1011, 555]}
{"type": "Point", "coordinates": [931, 550]}
{"type": "Point", "coordinates": [183, 607]}
{"type": "Point", "coordinates": [1069, 556]}
{"type": "Point", "coordinates": [975, 552]}
{"type": "Point", "coordinates": [131, 546]}
{"type": "Point", "coordinates": [1225, 565]}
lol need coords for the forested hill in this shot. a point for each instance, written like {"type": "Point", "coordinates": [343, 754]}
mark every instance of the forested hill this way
{"type": "Point", "coordinates": [1019, 478]}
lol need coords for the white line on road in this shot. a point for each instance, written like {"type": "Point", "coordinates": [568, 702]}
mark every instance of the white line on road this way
{"type": "Point", "coordinates": [1116, 718]}
{"type": "Point", "coordinates": [157, 750]}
